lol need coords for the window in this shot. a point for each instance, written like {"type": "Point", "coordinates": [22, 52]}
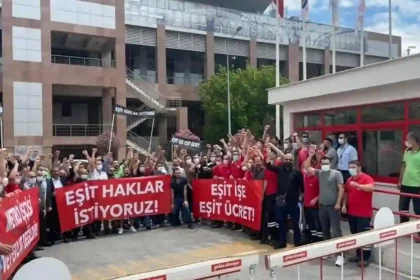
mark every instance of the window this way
{"type": "Point", "coordinates": [340, 117]}
{"type": "Point", "coordinates": [382, 152]}
{"type": "Point", "coordinates": [307, 120]}
{"type": "Point", "coordinates": [66, 109]}
{"type": "Point", "coordinates": [351, 138]}
{"type": "Point", "coordinates": [414, 110]}
{"type": "Point", "coordinates": [314, 136]}
{"type": "Point", "coordinates": [383, 113]}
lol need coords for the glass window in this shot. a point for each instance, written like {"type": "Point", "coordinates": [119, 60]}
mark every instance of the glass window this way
{"type": "Point", "coordinates": [382, 152]}
{"type": "Point", "coordinates": [414, 110]}
{"type": "Point", "coordinates": [383, 113]}
{"type": "Point", "coordinates": [334, 117]}
{"type": "Point", "coordinates": [307, 120]}
{"type": "Point", "coordinates": [314, 136]}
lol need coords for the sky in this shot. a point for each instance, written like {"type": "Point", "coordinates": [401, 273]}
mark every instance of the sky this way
{"type": "Point", "coordinates": [405, 17]}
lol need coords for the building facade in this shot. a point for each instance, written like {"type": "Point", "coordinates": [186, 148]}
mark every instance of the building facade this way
{"type": "Point", "coordinates": [65, 63]}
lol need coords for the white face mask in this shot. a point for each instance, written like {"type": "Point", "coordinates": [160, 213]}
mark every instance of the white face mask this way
{"type": "Point", "coordinates": [235, 158]}
{"type": "Point", "coordinates": [225, 161]}
{"type": "Point", "coordinates": [188, 161]}
{"type": "Point", "coordinates": [325, 167]}
{"type": "Point", "coordinates": [212, 159]}
{"type": "Point", "coordinates": [84, 176]}
{"type": "Point", "coordinates": [32, 180]}
{"type": "Point", "coordinates": [99, 167]}
{"type": "Point", "coordinates": [40, 178]}
{"type": "Point", "coordinates": [44, 173]}
{"type": "Point", "coordinates": [142, 169]}
{"type": "Point", "coordinates": [286, 146]}
{"type": "Point", "coordinates": [1, 188]}
{"type": "Point", "coordinates": [294, 146]}
{"type": "Point", "coordinates": [196, 160]}
{"type": "Point", "coordinates": [17, 180]}
{"type": "Point", "coordinates": [353, 171]}
{"type": "Point", "coordinates": [5, 181]}
{"type": "Point", "coordinates": [305, 140]}
{"type": "Point", "coordinates": [244, 168]}
{"type": "Point", "coordinates": [160, 168]}
{"type": "Point", "coordinates": [407, 144]}
{"type": "Point", "coordinates": [341, 141]}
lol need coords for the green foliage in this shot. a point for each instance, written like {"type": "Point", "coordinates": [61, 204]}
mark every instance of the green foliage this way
{"type": "Point", "coordinates": [249, 107]}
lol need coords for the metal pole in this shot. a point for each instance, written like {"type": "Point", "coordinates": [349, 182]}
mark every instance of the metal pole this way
{"type": "Point", "coordinates": [2, 133]}
{"type": "Point", "coordinates": [333, 49]}
{"type": "Point", "coordinates": [228, 97]}
{"type": "Point", "coordinates": [390, 29]}
{"type": "Point", "coordinates": [304, 50]}
{"type": "Point", "coordinates": [277, 66]}
{"type": "Point", "coordinates": [111, 133]}
{"type": "Point", "coordinates": [362, 47]}
{"type": "Point", "coordinates": [151, 135]}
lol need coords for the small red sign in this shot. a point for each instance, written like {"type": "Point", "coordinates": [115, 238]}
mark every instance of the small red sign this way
{"type": "Point", "coordinates": [345, 244]}
{"type": "Point", "coordinates": [226, 265]}
{"type": "Point", "coordinates": [296, 256]}
{"type": "Point", "coordinates": [388, 234]}
{"type": "Point", "coordinates": [160, 277]}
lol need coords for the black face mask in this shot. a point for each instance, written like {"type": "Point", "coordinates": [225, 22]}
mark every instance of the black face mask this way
{"type": "Point", "coordinates": [288, 165]}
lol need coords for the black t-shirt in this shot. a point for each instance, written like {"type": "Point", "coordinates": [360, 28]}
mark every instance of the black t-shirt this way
{"type": "Point", "coordinates": [204, 172]}
{"type": "Point", "coordinates": [178, 186]}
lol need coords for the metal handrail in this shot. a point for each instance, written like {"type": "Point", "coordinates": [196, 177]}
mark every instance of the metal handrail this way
{"type": "Point", "coordinates": [76, 60]}
{"type": "Point", "coordinates": [186, 81]}
{"type": "Point", "coordinates": [80, 129]}
{"type": "Point", "coordinates": [133, 77]}
{"type": "Point", "coordinates": [143, 143]}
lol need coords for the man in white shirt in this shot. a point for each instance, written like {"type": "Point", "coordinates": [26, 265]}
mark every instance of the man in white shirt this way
{"type": "Point", "coordinates": [346, 153]}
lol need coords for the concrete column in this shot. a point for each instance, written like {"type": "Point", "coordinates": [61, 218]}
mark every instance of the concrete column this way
{"type": "Point", "coordinates": [163, 130]}
{"type": "Point", "coordinates": [107, 109]}
{"type": "Point", "coordinates": [253, 53]}
{"type": "Point", "coordinates": [161, 57]}
{"type": "Point", "coordinates": [327, 62]}
{"type": "Point", "coordinates": [47, 113]}
{"type": "Point", "coordinates": [209, 68]}
{"type": "Point", "coordinates": [293, 62]}
{"type": "Point", "coordinates": [106, 59]}
{"type": "Point", "coordinates": [181, 118]}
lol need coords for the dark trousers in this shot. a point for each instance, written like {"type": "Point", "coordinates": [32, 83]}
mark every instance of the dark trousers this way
{"type": "Point", "coordinates": [179, 207]}
{"type": "Point", "coordinates": [404, 203]}
{"type": "Point", "coordinates": [291, 208]}
{"type": "Point", "coordinates": [159, 219]}
{"type": "Point", "coordinates": [42, 228]}
{"type": "Point", "coordinates": [268, 219]}
{"type": "Point", "coordinates": [346, 176]}
{"type": "Point", "coordinates": [53, 225]}
{"type": "Point", "coordinates": [358, 225]}
{"type": "Point", "coordinates": [313, 230]}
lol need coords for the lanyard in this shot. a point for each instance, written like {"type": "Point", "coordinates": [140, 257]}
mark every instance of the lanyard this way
{"type": "Point", "coordinates": [343, 151]}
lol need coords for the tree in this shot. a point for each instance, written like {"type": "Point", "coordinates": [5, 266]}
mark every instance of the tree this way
{"type": "Point", "coordinates": [102, 143]}
{"type": "Point", "coordinates": [249, 106]}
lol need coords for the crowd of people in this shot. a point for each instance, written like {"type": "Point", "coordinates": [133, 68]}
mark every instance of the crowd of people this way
{"type": "Point", "coordinates": [300, 177]}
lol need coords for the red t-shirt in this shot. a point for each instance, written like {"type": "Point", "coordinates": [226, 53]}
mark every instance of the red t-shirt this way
{"type": "Point", "coordinates": [271, 179]}
{"type": "Point", "coordinates": [236, 169]}
{"type": "Point", "coordinates": [311, 190]}
{"type": "Point", "coordinates": [303, 154]}
{"type": "Point", "coordinates": [11, 188]}
{"type": "Point", "coordinates": [248, 175]}
{"type": "Point", "coordinates": [222, 171]}
{"type": "Point", "coordinates": [359, 203]}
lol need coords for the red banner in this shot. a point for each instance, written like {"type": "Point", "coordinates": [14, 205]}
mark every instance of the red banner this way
{"type": "Point", "coordinates": [83, 203]}
{"type": "Point", "coordinates": [237, 201]}
{"type": "Point", "coordinates": [19, 227]}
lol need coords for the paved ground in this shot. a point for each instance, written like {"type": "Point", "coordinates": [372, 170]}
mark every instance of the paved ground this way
{"type": "Point", "coordinates": [131, 253]}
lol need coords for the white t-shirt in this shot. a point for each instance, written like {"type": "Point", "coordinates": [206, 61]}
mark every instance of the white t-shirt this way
{"type": "Point", "coordinates": [98, 175]}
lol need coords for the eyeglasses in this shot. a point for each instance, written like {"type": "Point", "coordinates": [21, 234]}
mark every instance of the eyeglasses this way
{"type": "Point", "coordinates": [288, 160]}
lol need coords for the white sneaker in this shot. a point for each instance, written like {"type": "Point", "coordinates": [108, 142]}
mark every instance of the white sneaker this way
{"type": "Point", "coordinates": [132, 229]}
{"type": "Point", "coordinates": [120, 231]}
{"type": "Point", "coordinates": [340, 261]}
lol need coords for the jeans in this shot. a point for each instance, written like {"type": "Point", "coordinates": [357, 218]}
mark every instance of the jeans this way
{"type": "Point", "coordinates": [330, 220]}
{"type": "Point", "coordinates": [179, 207]}
{"type": "Point", "coordinates": [358, 225]}
{"type": "Point", "coordinates": [313, 228]}
{"type": "Point", "coordinates": [404, 203]}
{"type": "Point", "coordinates": [291, 208]}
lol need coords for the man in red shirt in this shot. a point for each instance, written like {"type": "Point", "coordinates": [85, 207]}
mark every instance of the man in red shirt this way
{"type": "Point", "coordinates": [358, 206]}
{"type": "Point", "coordinates": [221, 171]}
{"type": "Point", "coordinates": [303, 152]}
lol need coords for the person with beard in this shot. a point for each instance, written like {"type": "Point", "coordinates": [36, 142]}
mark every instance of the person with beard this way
{"type": "Point", "coordinates": [120, 223]}
{"type": "Point", "coordinates": [289, 190]}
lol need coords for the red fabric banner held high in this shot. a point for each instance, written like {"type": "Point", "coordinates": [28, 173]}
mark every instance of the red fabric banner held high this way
{"type": "Point", "coordinates": [280, 7]}
{"type": "Point", "coordinates": [83, 203]}
{"type": "Point", "coordinates": [19, 227]}
{"type": "Point", "coordinates": [236, 201]}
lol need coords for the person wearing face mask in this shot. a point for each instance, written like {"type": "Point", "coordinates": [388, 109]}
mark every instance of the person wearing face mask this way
{"type": "Point", "coordinates": [358, 206]}
{"type": "Point", "coordinates": [221, 171]}
{"type": "Point", "coordinates": [409, 181]}
{"type": "Point", "coordinates": [258, 173]}
{"type": "Point", "coordinates": [330, 196]}
{"type": "Point", "coordinates": [302, 152]}
{"type": "Point", "coordinates": [345, 154]}
{"type": "Point", "coordinates": [289, 190]}
{"type": "Point", "coordinates": [179, 187]}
